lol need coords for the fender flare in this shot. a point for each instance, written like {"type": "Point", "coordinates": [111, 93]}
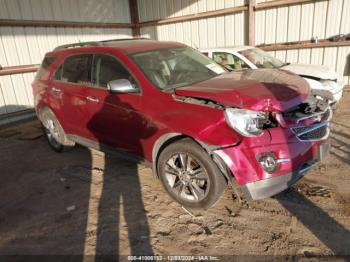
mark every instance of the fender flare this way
{"type": "Point", "coordinates": [159, 144]}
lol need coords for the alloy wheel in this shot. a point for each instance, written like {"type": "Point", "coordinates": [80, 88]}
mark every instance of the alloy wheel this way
{"type": "Point", "coordinates": [187, 177]}
{"type": "Point", "coordinates": [52, 133]}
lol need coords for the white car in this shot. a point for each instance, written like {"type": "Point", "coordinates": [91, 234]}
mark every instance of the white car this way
{"type": "Point", "coordinates": [322, 80]}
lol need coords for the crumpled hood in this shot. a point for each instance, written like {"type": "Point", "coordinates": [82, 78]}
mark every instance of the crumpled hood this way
{"type": "Point", "coordinates": [259, 89]}
{"type": "Point", "coordinates": [316, 71]}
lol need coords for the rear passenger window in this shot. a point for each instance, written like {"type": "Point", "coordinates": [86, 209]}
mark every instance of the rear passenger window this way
{"type": "Point", "coordinates": [106, 68]}
{"type": "Point", "coordinates": [77, 69]}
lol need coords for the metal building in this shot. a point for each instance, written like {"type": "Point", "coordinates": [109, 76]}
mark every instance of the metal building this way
{"type": "Point", "coordinates": [30, 28]}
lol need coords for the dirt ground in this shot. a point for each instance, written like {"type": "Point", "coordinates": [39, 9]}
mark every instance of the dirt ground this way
{"type": "Point", "coordinates": [83, 202]}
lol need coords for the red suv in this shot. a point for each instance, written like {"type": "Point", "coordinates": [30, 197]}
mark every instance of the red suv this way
{"type": "Point", "coordinates": [197, 125]}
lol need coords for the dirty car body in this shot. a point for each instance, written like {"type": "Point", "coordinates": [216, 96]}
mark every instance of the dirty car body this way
{"type": "Point", "coordinates": [258, 128]}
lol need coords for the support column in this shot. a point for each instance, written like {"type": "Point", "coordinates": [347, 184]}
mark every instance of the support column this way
{"type": "Point", "coordinates": [134, 17]}
{"type": "Point", "coordinates": [251, 23]}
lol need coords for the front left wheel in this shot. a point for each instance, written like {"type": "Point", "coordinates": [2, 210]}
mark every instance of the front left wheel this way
{"type": "Point", "coordinates": [190, 176]}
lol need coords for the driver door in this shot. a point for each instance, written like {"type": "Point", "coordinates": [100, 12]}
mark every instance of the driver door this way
{"type": "Point", "coordinates": [113, 119]}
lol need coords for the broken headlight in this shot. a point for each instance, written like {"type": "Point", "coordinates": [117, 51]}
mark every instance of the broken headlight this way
{"type": "Point", "coordinates": [246, 122]}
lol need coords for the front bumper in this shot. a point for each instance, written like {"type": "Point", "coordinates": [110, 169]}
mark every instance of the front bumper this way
{"type": "Point", "coordinates": [272, 186]}
{"type": "Point", "coordinates": [254, 180]}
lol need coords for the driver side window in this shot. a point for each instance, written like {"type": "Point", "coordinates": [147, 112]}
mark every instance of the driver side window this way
{"type": "Point", "coordinates": [230, 61]}
{"type": "Point", "coordinates": [106, 68]}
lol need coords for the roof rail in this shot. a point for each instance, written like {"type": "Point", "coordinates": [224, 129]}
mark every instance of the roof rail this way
{"type": "Point", "coordinates": [124, 39]}
{"type": "Point", "coordinates": [80, 44]}
{"type": "Point", "coordinates": [95, 43]}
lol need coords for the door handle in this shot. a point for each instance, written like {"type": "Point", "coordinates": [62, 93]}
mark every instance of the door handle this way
{"type": "Point", "coordinates": [92, 99]}
{"type": "Point", "coordinates": [57, 90]}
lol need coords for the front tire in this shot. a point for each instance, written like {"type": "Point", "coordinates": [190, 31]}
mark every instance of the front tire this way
{"type": "Point", "coordinates": [190, 176]}
{"type": "Point", "coordinates": [54, 133]}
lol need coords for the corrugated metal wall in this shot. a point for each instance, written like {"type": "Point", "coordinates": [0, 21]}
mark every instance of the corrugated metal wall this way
{"type": "Point", "coordinates": [27, 45]}
{"type": "Point", "coordinates": [211, 32]}
{"type": "Point", "coordinates": [321, 19]}
{"type": "Point", "coordinates": [283, 24]}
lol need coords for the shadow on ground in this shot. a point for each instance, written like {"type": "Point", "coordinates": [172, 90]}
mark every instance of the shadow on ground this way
{"type": "Point", "coordinates": [332, 234]}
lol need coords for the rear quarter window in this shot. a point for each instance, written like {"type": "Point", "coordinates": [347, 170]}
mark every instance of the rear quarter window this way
{"type": "Point", "coordinates": [44, 66]}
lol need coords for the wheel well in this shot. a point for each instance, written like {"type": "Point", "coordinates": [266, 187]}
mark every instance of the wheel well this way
{"type": "Point", "coordinates": [161, 144]}
{"type": "Point", "coordinates": [42, 110]}
{"type": "Point", "coordinates": [168, 139]}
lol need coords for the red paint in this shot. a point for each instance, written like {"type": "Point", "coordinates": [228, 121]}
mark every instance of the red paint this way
{"type": "Point", "coordinates": [260, 90]}
{"type": "Point", "coordinates": [134, 122]}
{"type": "Point", "coordinates": [282, 143]}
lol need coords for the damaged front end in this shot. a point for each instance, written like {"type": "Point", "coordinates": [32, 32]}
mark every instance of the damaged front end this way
{"type": "Point", "coordinates": [277, 148]}
{"type": "Point", "coordinates": [199, 101]}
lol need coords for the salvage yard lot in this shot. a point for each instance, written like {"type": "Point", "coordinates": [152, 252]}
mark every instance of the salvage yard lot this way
{"type": "Point", "coordinates": [83, 202]}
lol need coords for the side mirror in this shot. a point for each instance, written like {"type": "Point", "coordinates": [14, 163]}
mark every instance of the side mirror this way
{"type": "Point", "coordinates": [121, 86]}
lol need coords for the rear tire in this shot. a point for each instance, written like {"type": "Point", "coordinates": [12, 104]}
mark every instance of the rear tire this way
{"type": "Point", "coordinates": [190, 176]}
{"type": "Point", "coordinates": [54, 132]}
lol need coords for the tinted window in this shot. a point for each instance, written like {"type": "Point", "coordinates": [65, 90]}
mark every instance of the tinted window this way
{"type": "Point", "coordinates": [44, 66]}
{"type": "Point", "coordinates": [77, 69]}
{"type": "Point", "coordinates": [106, 68]}
{"type": "Point", "coordinates": [58, 73]}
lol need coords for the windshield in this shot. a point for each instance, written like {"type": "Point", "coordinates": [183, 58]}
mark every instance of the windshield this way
{"type": "Point", "coordinates": [177, 67]}
{"type": "Point", "coordinates": [261, 58]}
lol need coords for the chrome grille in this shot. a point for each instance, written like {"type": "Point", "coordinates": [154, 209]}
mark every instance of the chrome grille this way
{"type": "Point", "coordinates": [314, 132]}
{"type": "Point", "coordinates": [323, 116]}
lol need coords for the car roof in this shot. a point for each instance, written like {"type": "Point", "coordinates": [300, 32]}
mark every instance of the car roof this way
{"type": "Point", "coordinates": [143, 45]}
{"type": "Point", "coordinates": [227, 49]}
{"type": "Point", "coordinates": [127, 46]}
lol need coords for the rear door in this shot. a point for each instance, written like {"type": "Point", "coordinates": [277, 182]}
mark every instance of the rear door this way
{"type": "Point", "coordinates": [70, 82]}
{"type": "Point", "coordinates": [114, 119]}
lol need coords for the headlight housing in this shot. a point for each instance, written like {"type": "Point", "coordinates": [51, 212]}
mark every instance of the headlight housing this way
{"type": "Point", "coordinates": [246, 122]}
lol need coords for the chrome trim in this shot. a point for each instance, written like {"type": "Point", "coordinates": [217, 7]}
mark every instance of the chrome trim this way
{"type": "Point", "coordinates": [316, 114]}
{"type": "Point", "coordinates": [283, 160]}
{"type": "Point", "coordinates": [312, 128]}
{"type": "Point", "coordinates": [92, 99]}
{"type": "Point", "coordinates": [317, 139]}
